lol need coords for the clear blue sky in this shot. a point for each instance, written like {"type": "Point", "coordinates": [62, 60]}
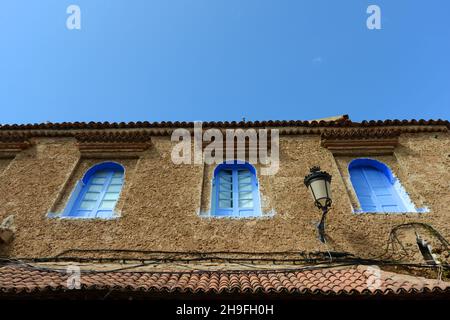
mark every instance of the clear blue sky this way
{"type": "Point", "coordinates": [223, 60]}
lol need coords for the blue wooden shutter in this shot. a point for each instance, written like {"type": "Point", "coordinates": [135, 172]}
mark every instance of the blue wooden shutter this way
{"type": "Point", "coordinates": [224, 193]}
{"type": "Point", "coordinates": [236, 192]}
{"type": "Point", "coordinates": [374, 190]}
{"type": "Point", "coordinates": [98, 197]}
{"type": "Point", "coordinates": [110, 195]}
{"type": "Point", "coordinates": [245, 192]}
{"type": "Point", "coordinates": [363, 191]}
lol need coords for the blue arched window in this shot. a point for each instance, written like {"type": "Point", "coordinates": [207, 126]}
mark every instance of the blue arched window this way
{"type": "Point", "coordinates": [375, 187]}
{"type": "Point", "coordinates": [235, 191]}
{"type": "Point", "coordinates": [96, 195]}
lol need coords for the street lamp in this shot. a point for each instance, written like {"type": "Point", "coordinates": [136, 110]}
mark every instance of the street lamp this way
{"type": "Point", "coordinates": [319, 184]}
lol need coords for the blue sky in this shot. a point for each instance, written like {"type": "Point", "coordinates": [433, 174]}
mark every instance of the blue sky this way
{"type": "Point", "coordinates": [223, 60]}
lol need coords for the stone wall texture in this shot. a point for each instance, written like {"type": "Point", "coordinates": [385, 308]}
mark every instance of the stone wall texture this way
{"type": "Point", "coordinates": [163, 206]}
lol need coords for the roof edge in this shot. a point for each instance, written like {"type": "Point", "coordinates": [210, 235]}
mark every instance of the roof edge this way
{"type": "Point", "coordinates": [338, 121]}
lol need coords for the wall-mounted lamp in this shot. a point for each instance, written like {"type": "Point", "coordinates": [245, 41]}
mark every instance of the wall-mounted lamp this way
{"type": "Point", "coordinates": [319, 183]}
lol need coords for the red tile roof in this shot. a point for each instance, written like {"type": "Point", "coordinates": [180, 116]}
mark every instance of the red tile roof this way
{"type": "Point", "coordinates": [16, 136]}
{"type": "Point", "coordinates": [19, 279]}
{"type": "Point", "coordinates": [343, 121]}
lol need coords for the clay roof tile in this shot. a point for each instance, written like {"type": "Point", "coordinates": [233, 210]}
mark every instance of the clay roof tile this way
{"type": "Point", "coordinates": [348, 281]}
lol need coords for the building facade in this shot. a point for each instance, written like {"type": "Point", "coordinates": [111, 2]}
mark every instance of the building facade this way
{"type": "Point", "coordinates": [111, 193]}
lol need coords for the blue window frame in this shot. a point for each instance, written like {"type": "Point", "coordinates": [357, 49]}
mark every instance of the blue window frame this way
{"type": "Point", "coordinates": [96, 195]}
{"type": "Point", "coordinates": [235, 191]}
{"type": "Point", "coordinates": [374, 185]}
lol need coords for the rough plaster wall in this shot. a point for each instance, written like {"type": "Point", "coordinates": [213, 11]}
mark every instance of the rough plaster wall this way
{"type": "Point", "coordinates": [29, 185]}
{"type": "Point", "coordinates": [4, 162]}
{"type": "Point", "coordinates": [161, 208]}
{"type": "Point", "coordinates": [426, 160]}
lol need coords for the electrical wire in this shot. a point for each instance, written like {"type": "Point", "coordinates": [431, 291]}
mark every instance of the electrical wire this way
{"type": "Point", "coordinates": [340, 258]}
{"type": "Point", "coordinates": [192, 252]}
{"type": "Point", "coordinates": [325, 264]}
{"type": "Point", "coordinates": [393, 238]}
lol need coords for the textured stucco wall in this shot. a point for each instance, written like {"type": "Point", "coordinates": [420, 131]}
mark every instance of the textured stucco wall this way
{"type": "Point", "coordinates": [4, 162]}
{"type": "Point", "coordinates": [161, 202]}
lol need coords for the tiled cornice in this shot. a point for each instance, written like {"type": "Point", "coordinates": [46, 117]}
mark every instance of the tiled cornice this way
{"type": "Point", "coordinates": [11, 143]}
{"type": "Point", "coordinates": [142, 131]}
{"type": "Point", "coordinates": [344, 121]}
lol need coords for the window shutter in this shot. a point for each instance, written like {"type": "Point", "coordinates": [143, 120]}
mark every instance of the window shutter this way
{"type": "Point", "coordinates": [235, 191]}
{"type": "Point", "coordinates": [367, 199]}
{"type": "Point", "coordinates": [374, 190]}
{"type": "Point", "coordinates": [99, 196]}
{"type": "Point", "coordinates": [225, 193]}
{"type": "Point", "coordinates": [246, 187]}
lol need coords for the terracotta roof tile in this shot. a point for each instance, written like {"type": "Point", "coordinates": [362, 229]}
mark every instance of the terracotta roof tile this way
{"type": "Point", "coordinates": [343, 121]}
{"type": "Point", "coordinates": [351, 280]}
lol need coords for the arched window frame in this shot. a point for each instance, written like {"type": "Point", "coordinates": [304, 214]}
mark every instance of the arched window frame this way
{"type": "Point", "coordinates": [400, 192]}
{"type": "Point", "coordinates": [236, 211]}
{"type": "Point", "coordinates": [81, 188]}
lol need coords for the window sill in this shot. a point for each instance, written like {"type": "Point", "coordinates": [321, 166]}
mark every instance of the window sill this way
{"type": "Point", "coordinates": [53, 215]}
{"type": "Point", "coordinates": [236, 218]}
{"type": "Point", "coordinates": [418, 211]}
{"type": "Point", "coordinates": [208, 215]}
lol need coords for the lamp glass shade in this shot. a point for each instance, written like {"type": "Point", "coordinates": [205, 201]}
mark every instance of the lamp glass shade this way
{"type": "Point", "coordinates": [321, 192]}
{"type": "Point", "coordinates": [319, 184]}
